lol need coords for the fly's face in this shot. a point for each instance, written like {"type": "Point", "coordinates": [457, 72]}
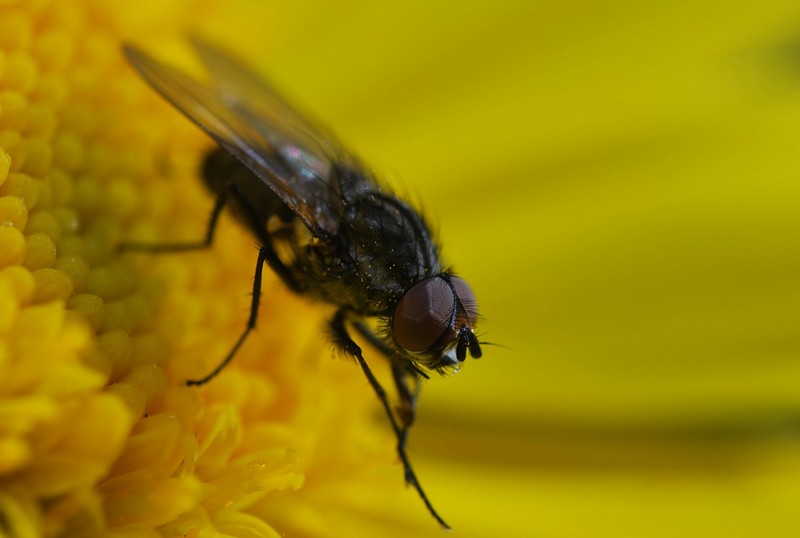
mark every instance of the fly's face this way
{"type": "Point", "coordinates": [435, 321]}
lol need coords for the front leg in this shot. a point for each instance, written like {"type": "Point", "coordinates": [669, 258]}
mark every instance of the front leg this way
{"type": "Point", "coordinates": [343, 340]}
{"type": "Point", "coordinates": [403, 372]}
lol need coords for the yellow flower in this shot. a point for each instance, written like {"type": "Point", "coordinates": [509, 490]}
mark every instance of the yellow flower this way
{"type": "Point", "coordinates": [618, 184]}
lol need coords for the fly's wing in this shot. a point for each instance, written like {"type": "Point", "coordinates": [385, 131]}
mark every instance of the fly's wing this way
{"type": "Point", "coordinates": [259, 128]}
{"type": "Point", "coordinates": [234, 78]}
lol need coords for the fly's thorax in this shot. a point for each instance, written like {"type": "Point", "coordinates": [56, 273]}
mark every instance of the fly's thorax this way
{"type": "Point", "coordinates": [388, 242]}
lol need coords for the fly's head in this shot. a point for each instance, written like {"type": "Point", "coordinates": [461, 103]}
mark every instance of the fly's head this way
{"type": "Point", "coordinates": [434, 321]}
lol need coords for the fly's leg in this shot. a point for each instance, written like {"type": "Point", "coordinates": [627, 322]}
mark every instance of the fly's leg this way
{"type": "Point", "coordinates": [402, 372]}
{"type": "Point", "coordinates": [346, 343]}
{"type": "Point", "coordinates": [186, 245]}
{"type": "Point", "coordinates": [222, 199]}
{"type": "Point", "coordinates": [408, 396]}
{"type": "Point", "coordinates": [266, 253]}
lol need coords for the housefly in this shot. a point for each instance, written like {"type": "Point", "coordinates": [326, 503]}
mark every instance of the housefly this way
{"type": "Point", "coordinates": [326, 226]}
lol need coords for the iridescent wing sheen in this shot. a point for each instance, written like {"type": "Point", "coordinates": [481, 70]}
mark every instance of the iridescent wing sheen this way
{"type": "Point", "coordinates": [249, 119]}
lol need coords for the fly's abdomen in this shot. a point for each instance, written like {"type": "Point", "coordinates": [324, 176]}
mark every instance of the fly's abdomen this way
{"type": "Point", "coordinates": [220, 170]}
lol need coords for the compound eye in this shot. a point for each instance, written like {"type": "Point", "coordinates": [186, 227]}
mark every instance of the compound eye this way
{"type": "Point", "coordinates": [424, 315]}
{"type": "Point", "coordinates": [466, 298]}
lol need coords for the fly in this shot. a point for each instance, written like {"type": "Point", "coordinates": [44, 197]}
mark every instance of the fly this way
{"type": "Point", "coordinates": [326, 227]}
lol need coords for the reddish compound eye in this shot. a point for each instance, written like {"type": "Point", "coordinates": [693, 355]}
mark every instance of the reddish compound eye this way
{"type": "Point", "coordinates": [426, 315]}
{"type": "Point", "coordinates": [467, 300]}
{"type": "Point", "coordinates": [423, 315]}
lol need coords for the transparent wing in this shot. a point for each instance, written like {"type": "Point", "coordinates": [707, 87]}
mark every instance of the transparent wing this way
{"type": "Point", "coordinates": [234, 78]}
{"type": "Point", "coordinates": [245, 116]}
